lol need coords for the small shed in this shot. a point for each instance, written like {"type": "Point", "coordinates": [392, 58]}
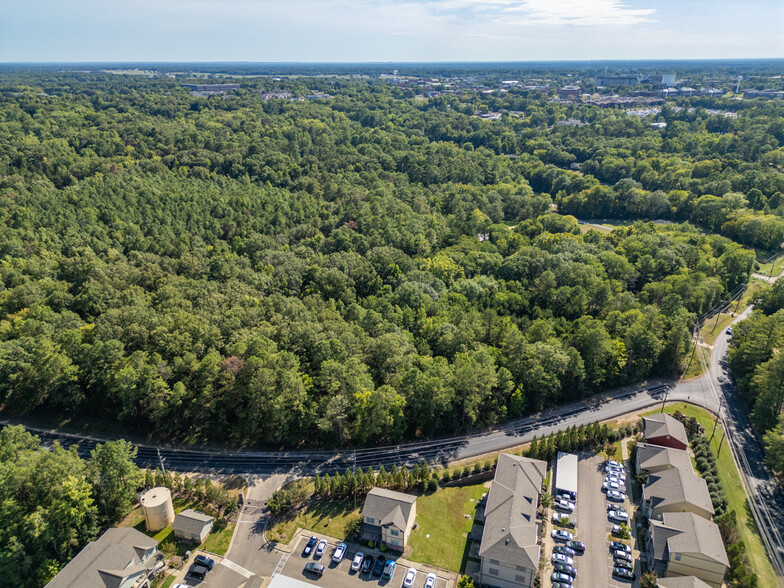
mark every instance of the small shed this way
{"type": "Point", "coordinates": [193, 526]}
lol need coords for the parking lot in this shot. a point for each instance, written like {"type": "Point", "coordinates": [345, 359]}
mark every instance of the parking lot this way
{"type": "Point", "coordinates": [338, 575]}
{"type": "Point", "coordinates": [594, 567]}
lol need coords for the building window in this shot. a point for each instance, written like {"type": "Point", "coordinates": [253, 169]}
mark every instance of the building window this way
{"type": "Point", "coordinates": [394, 532]}
{"type": "Point", "coordinates": [493, 571]}
{"type": "Point", "coordinates": [519, 578]}
{"type": "Point", "coordinates": [495, 562]}
{"type": "Point", "coordinates": [677, 557]}
{"type": "Point", "coordinates": [369, 520]}
{"type": "Point", "coordinates": [394, 542]}
{"type": "Point", "coordinates": [520, 568]}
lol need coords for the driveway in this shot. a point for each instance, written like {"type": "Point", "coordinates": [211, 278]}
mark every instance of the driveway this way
{"type": "Point", "coordinates": [594, 566]}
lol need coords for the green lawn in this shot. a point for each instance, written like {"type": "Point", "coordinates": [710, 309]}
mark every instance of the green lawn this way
{"type": "Point", "coordinates": [441, 515]}
{"type": "Point", "coordinates": [735, 491]}
{"type": "Point", "coordinates": [714, 327]}
{"type": "Point", "coordinates": [327, 517]}
{"type": "Point", "coordinates": [217, 542]}
{"type": "Point", "coordinates": [168, 582]}
{"type": "Point", "coordinates": [693, 365]}
{"type": "Point", "coordinates": [775, 268]}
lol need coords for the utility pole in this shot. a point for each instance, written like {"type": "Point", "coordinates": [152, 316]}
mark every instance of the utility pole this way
{"type": "Point", "coordinates": [716, 423]}
{"type": "Point", "coordinates": [356, 482]}
{"type": "Point", "coordinates": [162, 459]}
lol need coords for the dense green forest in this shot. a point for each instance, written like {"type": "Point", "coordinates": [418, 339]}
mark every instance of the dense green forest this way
{"type": "Point", "coordinates": [363, 269]}
{"type": "Point", "coordinates": [54, 502]}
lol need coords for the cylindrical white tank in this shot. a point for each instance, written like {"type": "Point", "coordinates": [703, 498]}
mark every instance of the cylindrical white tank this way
{"type": "Point", "coordinates": [158, 508]}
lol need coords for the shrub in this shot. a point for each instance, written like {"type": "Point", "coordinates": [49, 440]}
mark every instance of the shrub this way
{"type": "Point", "coordinates": [383, 548]}
{"type": "Point", "coordinates": [477, 468]}
{"type": "Point", "coordinates": [447, 477]}
{"type": "Point", "coordinates": [466, 471]}
{"type": "Point", "coordinates": [432, 485]}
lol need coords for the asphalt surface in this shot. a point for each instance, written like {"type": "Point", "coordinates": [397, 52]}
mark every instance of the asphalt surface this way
{"type": "Point", "coordinates": [714, 391]}
{"type": "Point", "coordinates": [593, 568]}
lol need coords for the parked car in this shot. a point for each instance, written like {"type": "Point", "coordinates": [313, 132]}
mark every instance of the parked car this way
{"type": "Point", "coordinates": [565, 569]}
{"type": "Point", "coordinates": [615, 480]}
{"type": "Point", "coordinates": [616, 496]}
{"type": "Point", "coordinates": [205, 561]}
{"type": "Point", "coordinates": [430, 581]}
{"type": "Point", "coordinates": [340, 552]}
{"type": "Point", "coordinates": [564, 505]}
{"type": "Point", "coordinates": [729, 330]}
{"type": "Point", "coordinates": [320, 548]}
{"type": "Point", "coordinates": [622, 563]}
{"type": "Point", "coordinates": [618, 516]}
{"type": "Point", "coordinates": [389, 569]}
{"type": "Point", "coordinates": [198, 571]}
{"type": "Point", "coordinates": [367, 565]}
{"type": "Point", "coordinates": [181, 586]}
{"type": "Point", "coordinates": [559, 517]}
{"type": "Point", "coordinates": [314, 568]}
{"type": "Point", "coordinates": [559, 577]}
{"type": "Point", "coordinates": [567, 494]}
{"type": "Point", "coordinates": [309, 547]}
{"type": "Point", "coordinates": [576, 545]}
{"type": "Point", "coordinates": [561, 558]}
{"type": "Point", "coordinates": [379, 567]}
{"type": "Point", "coordinates": [613, 464]}
{"type": "Point", "coordinates": [560, 535]}
{"type": "Point", "coordinates": [623, 573]}
{"type": "Point", "coordinates": [607, 486]}
{"type": "Point", "coordinates": [357, 562]}
{"type": "Point", "coordinates": [408, 581]}
{"type": "Point", "coordinates": [618, 546]}
{"type": "Point", "coordinates": [624, 555]}
{"type": "Point", "coordinates": [561, 585]}
{"type": "Point", "coordinates": [563, 550]}
{"type": "Point", "coordinates": [617, 531]}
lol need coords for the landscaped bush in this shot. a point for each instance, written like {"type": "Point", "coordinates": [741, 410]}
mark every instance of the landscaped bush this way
{"type": "Point", "coordinates": [447, 477]}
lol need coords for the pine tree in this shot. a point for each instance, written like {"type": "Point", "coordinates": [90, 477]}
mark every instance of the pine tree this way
{"type": "Point", "coordinates": [533, 450]}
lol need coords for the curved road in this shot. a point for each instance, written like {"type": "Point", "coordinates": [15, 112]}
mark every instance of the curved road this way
{"type": "Point", "coordinates": [714, 390]}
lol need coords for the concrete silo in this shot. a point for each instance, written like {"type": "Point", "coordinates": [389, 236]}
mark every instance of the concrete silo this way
{"type": "Point", "coordinates": [158, 508]}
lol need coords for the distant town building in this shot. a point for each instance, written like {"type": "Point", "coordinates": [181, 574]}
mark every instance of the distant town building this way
{"type": "Point", "coordinates": [617, 80]}
{"type": "Point", "coordinates": [661, 80]}
{"type": "Point", "coordinates": [570, 93]}
{"type": "Point", "coordinates": [213, 88]}
{"type": "Point", "coordinates": [763, 94]}
{"type": "Point", "coordinates": [119, 558]}
{"type": "Point", "coordinates": [277, 95]}
{"type": "Point", "coordinates": [711, 92]}
{"type": "Point", "coordinates": [686, 91]}
{"type": "Point", "coordinates": [318, 96]}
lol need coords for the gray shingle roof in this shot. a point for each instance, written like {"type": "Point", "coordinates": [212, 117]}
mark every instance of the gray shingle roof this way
{"type": "Point", "coordinates": [675, 486]}
{"type": "Point", "coordinates": [682, 582]}
{"type": "Point", "coordinates": [389, 507]}
{"type": "Point", "coordinates": [510, 529]}
{"type": "Point", "coordinates": [191, 521]}
{"type": "Point", "coordinates": [663, 425]}
{"type": "Point", "coordinates": [104, 563]}
{"type": "Point", "coordinates": [656, 457]}
{"type": "Point", "coordinates": [685, 532]}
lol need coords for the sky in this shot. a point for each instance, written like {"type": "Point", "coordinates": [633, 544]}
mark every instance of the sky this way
{"type": "Point", "coordinates": [387, 30]}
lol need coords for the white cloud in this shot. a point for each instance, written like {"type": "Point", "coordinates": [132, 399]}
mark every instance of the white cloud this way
{"type": "Point", "coordinates": [550, 12]}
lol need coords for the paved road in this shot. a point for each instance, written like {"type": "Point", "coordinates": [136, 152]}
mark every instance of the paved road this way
{"type": "Point", "coordinates": [713, 391]}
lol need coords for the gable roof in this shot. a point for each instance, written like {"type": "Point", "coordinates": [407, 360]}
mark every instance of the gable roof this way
{"type": "Point", "coordinates": [685, 532]}
{"type": "Point", "coordinates": [681, 582]}
{"type": "Point", "coordinates": [191, 521]}
{"type": "Point", "coordinates": [510, 513]}
{"type": "Point", "coordinates": [658, 457]}
{"type": "Point", "coordinates": [663, 425]}
{"type": "Point", "coordinates": [106, 562]}
{"type": "Point", "coordinates": [389, 508]}
{"type": "Point", "coordinates": [675, 486]}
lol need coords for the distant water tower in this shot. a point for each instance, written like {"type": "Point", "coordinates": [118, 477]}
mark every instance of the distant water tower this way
{"type": "Point", "coordinates": [158, 508]}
